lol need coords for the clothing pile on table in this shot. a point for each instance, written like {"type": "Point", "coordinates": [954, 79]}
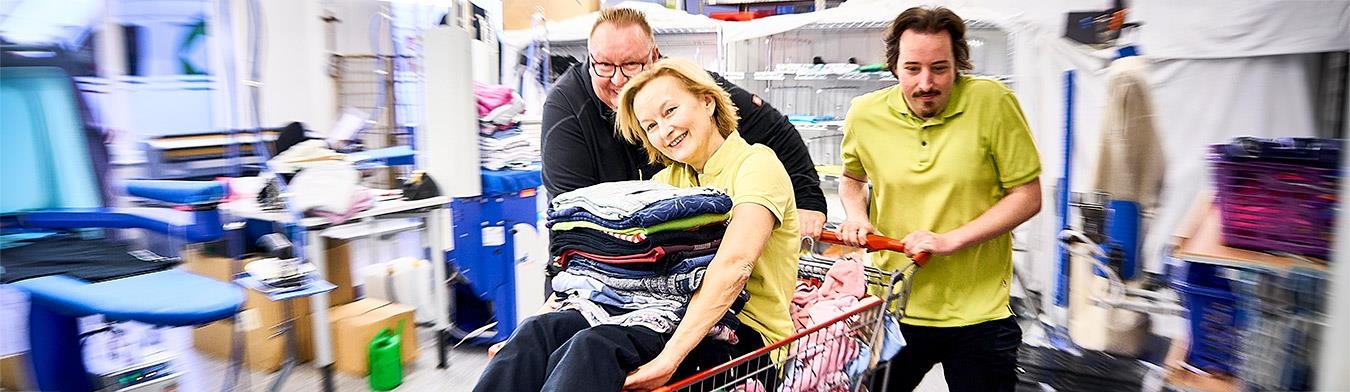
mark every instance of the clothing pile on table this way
{"type": "Point", "coordinates": [500, 139]}
{"type": "Point", "coordinates": [632, 253]}
{"type": "Point", "coordinates": [320, 181]}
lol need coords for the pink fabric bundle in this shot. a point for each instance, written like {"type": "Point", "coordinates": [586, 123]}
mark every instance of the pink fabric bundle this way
{"type": "Point", "coordinates": [820, 358]}
{"type": "Point", "coordinates": [362, 200]}
{"type": "Point", "coordinates": [491, 96]}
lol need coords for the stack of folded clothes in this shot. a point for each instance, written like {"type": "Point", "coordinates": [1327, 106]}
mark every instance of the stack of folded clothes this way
{"type": "Point", "coordinates": [502, 144]}
{"type": "Point", "coordinates": [633, 252]}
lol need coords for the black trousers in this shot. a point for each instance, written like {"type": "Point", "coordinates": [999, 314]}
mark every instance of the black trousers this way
{"type": "Point", "coordinates": [560, 351]}
{"type": "Point", "coordinates": [980, 357]}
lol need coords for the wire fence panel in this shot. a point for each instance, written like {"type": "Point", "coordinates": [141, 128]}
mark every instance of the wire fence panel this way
{"type": "Point", "coordinates": [368, 86]}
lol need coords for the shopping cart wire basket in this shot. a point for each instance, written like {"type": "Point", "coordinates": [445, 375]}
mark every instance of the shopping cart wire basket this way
{"type": "Point", "coordinates": [847, 346]}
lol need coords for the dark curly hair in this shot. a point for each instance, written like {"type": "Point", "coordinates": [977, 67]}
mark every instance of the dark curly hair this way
{"type": "Point", "coordinates": [928, 21]}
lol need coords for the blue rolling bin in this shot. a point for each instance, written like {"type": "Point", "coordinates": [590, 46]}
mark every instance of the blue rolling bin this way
{"type": "Point", "coordinates": [485, 248]}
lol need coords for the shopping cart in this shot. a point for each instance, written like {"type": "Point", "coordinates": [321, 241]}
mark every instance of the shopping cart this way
{"type": "Point", "coordinates": [853, 339]}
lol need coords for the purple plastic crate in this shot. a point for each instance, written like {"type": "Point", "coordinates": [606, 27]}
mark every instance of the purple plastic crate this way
{"type": "Point", "coordinates": [1271, 206]}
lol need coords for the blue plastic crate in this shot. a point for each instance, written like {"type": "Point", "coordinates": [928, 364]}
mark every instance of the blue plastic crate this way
{"type": "Point", "coordinates": [1215, 317]}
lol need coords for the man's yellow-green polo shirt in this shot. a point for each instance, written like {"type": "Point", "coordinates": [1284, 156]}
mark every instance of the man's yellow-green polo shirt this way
{"type": "Point", "coordinates": [938, 175]}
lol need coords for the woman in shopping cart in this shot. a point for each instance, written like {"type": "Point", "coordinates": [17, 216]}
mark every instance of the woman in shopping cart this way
{"type": "Point", "coordinates": [688, 123]}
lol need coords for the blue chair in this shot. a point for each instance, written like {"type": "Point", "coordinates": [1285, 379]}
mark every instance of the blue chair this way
{"type": "Point", "coordinates": [50, 186]}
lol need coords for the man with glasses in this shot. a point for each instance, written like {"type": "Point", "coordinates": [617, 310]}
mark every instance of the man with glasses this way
{"type": "Point", "coordinates": [582, 148]}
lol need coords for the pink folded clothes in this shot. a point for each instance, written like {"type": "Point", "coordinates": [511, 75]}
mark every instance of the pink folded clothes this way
{"type": "Point", "coordinates": [491, 96]}
{"type": "Point", "coordinates": [361, 200]}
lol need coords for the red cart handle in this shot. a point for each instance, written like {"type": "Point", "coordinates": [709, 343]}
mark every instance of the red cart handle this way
{"type": "Point", "coordinates": [876, 243]}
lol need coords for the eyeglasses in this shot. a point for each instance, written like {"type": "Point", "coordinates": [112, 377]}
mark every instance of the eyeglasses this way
{"type": "Point", "coordinates": [607, 70]}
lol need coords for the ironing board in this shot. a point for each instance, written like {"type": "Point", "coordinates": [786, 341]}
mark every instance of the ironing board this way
{"type": "Point", "coordinates": [43, 133]}
{"type": "Point", "coordinates": [168, 298]}
{"type": "Point", "coordinates": [57, 303]}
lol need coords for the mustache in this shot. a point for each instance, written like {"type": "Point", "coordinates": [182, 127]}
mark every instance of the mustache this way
{"type": "Point", "coordinates": [930, 93]}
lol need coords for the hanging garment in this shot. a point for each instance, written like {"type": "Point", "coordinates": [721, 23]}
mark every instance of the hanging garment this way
{"type": "Point", "coordinates": [1131, 160]}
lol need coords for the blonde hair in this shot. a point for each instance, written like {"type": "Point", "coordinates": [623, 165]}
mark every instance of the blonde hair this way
{"type": "Point", "coordinates": [621, 17]}
{"type": "Point", "coordinates": [695, 80]}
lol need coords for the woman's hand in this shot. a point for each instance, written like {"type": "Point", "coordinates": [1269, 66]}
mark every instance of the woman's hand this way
{"type": "Point", "coordinates": [854, 232]}
{"type": "Point", "coordinates": [651, 376]}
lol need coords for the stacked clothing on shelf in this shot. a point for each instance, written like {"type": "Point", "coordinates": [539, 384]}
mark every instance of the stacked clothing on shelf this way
{"type": "Point", "coordinates": [502, 144]}
{"type": "Point", "coordinates": [632, 253]}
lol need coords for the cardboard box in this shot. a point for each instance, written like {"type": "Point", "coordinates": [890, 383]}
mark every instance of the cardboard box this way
{"type": "Point", "coordinates": [258, 320]}
{"type": "Point", "coordinates": [198, 261]}
{"type": "Point", "coordinates": [16, 373]}
{"type": "Point", "coordinates": [356, 324]}
{"type": "Point", "coordinates": [338, 255]}
{"type": "Point", "coordinates": [517, 14]}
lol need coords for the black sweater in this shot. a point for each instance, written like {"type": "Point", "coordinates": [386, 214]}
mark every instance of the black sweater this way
{"type": "Point", "coordinates": [581, 147]}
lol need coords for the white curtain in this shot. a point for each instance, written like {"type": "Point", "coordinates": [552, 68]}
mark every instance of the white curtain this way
{"type": "Point", "coordinates": [1207, 29]}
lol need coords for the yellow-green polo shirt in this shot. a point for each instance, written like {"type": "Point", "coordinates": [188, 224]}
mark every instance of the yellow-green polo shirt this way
{"type": "Point", "coordinates": [938, 175]}
{"type": "Point", "coordinates": [753, 174]}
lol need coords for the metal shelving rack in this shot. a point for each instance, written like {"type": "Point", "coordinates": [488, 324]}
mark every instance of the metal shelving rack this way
{"type": "Point", "coordinates": [702, 44]}
{"type": "Point", "coordinates": [779, 68]}
{"type": "Point", "coordinates": [762, 66]}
